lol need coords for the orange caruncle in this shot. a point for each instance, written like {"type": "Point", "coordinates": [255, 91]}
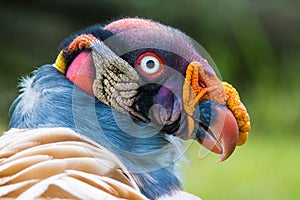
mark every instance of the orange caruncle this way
{"type": "Point", "coordinates": [217, 91]}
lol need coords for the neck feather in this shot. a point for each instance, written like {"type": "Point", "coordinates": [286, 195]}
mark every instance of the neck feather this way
{"type": "Point", "coordinates": [48, 99]}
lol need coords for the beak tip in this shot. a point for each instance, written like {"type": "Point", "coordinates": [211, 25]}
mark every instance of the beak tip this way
{"type": "Point", "coordinates": [226, 154]}
{"type": "Point", "coordinates": [229, 135]}
{"type": "Point", "coordinates": [223, 136]}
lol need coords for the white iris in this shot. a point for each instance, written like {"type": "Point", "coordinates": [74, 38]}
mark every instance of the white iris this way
{"type": "Point", "coordinates": [150, 65]}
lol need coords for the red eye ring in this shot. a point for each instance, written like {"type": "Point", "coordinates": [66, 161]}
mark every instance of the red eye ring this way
{"type": "Point", "coordinates": [150, 65]}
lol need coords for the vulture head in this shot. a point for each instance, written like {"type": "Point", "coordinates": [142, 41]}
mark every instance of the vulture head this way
{"type": "Point", "coordinates": [135, 86]}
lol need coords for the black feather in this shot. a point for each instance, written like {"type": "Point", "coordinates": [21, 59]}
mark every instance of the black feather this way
{"type": "Point", "coordinates": [96, 30]}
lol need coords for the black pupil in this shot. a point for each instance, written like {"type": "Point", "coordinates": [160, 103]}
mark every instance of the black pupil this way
{"type": "Point", "coordinates": [150, 64]}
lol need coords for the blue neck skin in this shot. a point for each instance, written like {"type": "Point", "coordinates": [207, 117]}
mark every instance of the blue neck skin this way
{"type": "Point", "coordinates": [51, 100]}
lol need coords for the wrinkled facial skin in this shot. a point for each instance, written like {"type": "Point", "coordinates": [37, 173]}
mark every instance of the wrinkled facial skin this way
{"type": "Point", "coordinates": [161, 98]}
{"type": "Point", "coordinates": [158, 98]}
{"type": "Point", "coordinates": [156, 74]}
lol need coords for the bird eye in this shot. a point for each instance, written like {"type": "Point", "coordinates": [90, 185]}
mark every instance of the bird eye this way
{"type": "Point", "coordinates": [150, 64]}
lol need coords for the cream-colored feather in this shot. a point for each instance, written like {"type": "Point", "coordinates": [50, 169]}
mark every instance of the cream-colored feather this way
{"type": "Point", "coordinates": [57, 163]}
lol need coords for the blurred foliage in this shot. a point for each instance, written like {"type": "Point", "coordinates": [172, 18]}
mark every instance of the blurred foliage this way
{"type": "Point", "coordinates": [255, 44]}
{"type": "Point", "coordinates": [262, 170]}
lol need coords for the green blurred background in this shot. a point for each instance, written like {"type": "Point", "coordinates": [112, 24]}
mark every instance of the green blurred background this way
{"type": "Point", "coordinates": [254, 43]}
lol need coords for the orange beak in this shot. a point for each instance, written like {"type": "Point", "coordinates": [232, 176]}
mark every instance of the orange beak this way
{"type": "Point", "coordinates": [223, 122]}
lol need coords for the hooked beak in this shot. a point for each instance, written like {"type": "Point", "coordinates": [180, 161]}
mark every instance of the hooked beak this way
{"type": "Point", "coordinates": [222, 122]}
{"type": "Point", "coordinates": [221, 136]}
